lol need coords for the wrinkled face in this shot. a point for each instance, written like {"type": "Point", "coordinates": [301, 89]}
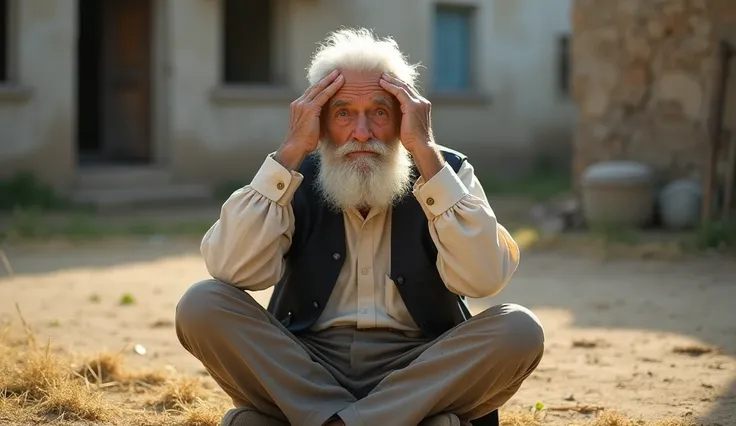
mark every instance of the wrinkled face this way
{"type": "Point", "coordinates": [361, 110]}
{"type": "Point", "coordinates": [363, 163]}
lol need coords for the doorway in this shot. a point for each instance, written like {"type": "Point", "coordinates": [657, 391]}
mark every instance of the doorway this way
{"type": "Point", "coordinates": [114, 82]}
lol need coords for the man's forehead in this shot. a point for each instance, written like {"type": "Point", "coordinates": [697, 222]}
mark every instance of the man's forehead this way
{"type": "Point", "coordinates": [376, 98]}
{"type": "Point", "coordinates": [361, 86]}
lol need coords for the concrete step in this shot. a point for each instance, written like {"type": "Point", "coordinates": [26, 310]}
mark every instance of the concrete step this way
{"type": "Point", "coordinates": [165, 195]}
{"type": "Point", "coordinates": [120, 177]}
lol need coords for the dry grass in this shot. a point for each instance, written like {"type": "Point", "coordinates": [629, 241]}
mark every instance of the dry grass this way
{"type": "Point", "coordinates": [70, 399]}
{"type": "Point", "coordinates": [617, 419]}
{"type": "Point", "coordinates": [39, 385]}
{"type": "Point", "coordinates": [178, 394]}
{"type": "Point", "coordinates": [202, 414]}
{"type": "Point", "coordinates": [107, 369]}
{"type": "Point", "coordinates": [519, 419]}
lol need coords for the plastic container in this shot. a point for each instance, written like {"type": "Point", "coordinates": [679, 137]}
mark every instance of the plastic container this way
{"type": "Point", "coordinates": [679, 204]}
{"type": "Point", "coordinates": [618, 193]}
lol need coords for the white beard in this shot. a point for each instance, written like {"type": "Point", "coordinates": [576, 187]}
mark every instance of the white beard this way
{"type": "Point", "coordinates": [363, 182]}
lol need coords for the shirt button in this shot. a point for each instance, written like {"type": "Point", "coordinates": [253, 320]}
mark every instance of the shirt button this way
{"type": "Point", "coordinates": [430, 201]}
{"type": "Point", "coordinates": [280, 186]}
{"type": "Point", "coordinates": [315, 304]}
{"type": "Point", "coordinates": [365, 271]}
{"type": "Point", "coordinates": [400, 280]}
{"type": "Point", "coordinates": [336, 256]}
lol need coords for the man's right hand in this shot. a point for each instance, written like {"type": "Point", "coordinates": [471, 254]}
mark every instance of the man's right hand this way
{"type": "Point", "coordinates": [304, 123]}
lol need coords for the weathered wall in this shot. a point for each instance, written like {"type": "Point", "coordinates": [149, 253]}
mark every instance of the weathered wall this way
{"type": "Point", "coordinates": [209, 133]}
{"type": "Point", "coordinates": [644, 79]}
{"type": "Point", "coordinates": [221, 137]}
{"type": "Point", "coordinates": [36, 109]}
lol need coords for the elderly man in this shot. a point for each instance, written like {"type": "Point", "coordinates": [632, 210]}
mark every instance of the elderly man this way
{"type": "Point", "coordinates": [373, 236]}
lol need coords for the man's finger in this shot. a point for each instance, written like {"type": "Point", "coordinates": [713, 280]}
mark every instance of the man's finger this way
{"type": "Point", "coordinates": [401, 94]}
{"type": "Point", "coordinates": [320, 86]}
{"type": "Point", "coordinates": [329, 91]}
{"type": "Point", "coordinates": [400, 83]}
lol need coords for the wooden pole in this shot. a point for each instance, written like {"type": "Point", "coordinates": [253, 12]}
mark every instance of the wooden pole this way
{"type": "Point", "coordinates": [716, 124]}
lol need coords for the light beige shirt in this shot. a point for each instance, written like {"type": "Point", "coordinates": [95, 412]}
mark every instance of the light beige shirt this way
{"type": "Point", "coordinates": [476, 255]}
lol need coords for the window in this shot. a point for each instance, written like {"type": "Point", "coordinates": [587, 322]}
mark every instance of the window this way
{"type": "Point", "coordinates": [453, 48]}
{"type": "Point", "coordinates": [4, 40]}
{"type": "Point", "coordinates": [563, 65]}
{"type": "Point", "coordinates": [248, 45]}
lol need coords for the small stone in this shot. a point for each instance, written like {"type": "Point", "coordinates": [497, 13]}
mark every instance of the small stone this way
{"type": "Point", "coordinates": [140, 349]}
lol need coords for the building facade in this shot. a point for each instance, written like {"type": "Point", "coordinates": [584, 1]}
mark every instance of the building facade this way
{"type": "Point", "coordinates": [650, 83]}
{"type": "Point", "coordinates": [164, 93]}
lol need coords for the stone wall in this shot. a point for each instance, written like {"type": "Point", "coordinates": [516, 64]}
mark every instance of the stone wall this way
{"type": "Point", "coordinates": [644, 77]}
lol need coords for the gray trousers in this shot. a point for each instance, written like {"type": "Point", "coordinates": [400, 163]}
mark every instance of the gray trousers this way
{"type": "Point", "coordinates": [367, 377]}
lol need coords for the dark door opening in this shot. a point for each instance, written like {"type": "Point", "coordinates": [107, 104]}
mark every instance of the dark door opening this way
{"type": "Point", "coordinates": [114, 82]}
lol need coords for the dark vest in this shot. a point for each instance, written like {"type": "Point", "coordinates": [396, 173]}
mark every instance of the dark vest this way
{"type": "Point", "coordinates": [317, 252]}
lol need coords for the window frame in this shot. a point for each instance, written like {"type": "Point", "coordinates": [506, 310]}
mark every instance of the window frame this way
{"type": "Point", "coordinates": [277, 54]}
{"type": "Point", "coordinates": [472, 9]}
{"type": "Point", "coordinates": [11, 90]}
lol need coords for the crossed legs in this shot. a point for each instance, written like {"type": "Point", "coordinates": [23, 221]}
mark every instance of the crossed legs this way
{"type": "Point", "coordinates": [365, 377]}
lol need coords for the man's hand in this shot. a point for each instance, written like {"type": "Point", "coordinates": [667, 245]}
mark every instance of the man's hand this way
{"type": "Point", "coordinates": [304, 128]}
{"type": "Point", "coordinates": [416, 125]}
{"type": "Point", "coordinates": [416, 120]}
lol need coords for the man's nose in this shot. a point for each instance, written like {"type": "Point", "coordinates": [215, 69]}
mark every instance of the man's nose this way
{"type": "Point", "coordinates": [362, 130]}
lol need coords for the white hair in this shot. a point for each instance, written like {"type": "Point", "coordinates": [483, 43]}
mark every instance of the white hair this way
{"type": "Point", "coordinates": [360, 50]}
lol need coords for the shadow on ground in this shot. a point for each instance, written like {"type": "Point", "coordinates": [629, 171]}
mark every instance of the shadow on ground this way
{"type": "Point", "coordinates": [699, 304]}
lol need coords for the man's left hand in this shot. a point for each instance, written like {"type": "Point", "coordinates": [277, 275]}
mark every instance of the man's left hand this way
{"type": "Point", "coordinates": [416, 120]}
{"type": "Point", "coordinates": [416, 125]}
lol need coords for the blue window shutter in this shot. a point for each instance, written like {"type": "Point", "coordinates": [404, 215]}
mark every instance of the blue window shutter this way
{"type": "Point", "coordinates": [452, 43]}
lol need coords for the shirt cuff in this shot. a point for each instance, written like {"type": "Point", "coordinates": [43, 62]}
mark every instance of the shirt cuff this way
{"type": "Point", "coordinates": [441, 192]}
{"type": "Point", "coordinates": [275, 182]}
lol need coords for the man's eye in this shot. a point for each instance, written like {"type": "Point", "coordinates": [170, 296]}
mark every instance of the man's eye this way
{"type": "Point", "coordinates": [380, 112]}
{"type": "Point", "coordinates": [342, 113]}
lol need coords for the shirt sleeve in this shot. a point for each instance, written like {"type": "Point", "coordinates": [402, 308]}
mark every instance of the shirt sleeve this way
{"type": "Point", "coordinates": [476, 255]}
{"type": "Point", "coordinates": [246, 246]}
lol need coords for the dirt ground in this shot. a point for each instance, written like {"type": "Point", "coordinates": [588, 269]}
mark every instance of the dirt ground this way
{"type": "Point", "coordinates": [650, 339]}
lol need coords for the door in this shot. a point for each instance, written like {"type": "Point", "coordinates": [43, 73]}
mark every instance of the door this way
{"type": "Point", "coordinates": [126, 80]}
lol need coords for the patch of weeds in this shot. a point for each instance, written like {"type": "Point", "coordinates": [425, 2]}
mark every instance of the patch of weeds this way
{"type": "Point", "coordinates": [141, 228]}
{"type": "Point", "coordinates": [545, 181]}
{"type": "Point", "coordinates": [55, 323]}
{"type": "Point", "coordinates": [26, 223]}
{"type": "Point", "coordinates": [95, 298]}
{"type": "Point", "coordinates": [79, 226]}
{"type": "Point", "coordinates": [612, 233]}
{"type": "Point", "coordinates": [715, 235]}
{"type": "Point", "coordinates": [24, 190]}
{"type": "Point", "coordinates": [127, 299]}
{"type": "Point", "coordinates": [32, 224]}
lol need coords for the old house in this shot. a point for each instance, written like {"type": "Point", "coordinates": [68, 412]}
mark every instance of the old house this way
{"type": "Point", "coordinates": [127, 99]}
{"type": "Point", "coordinates": [654, 85]}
